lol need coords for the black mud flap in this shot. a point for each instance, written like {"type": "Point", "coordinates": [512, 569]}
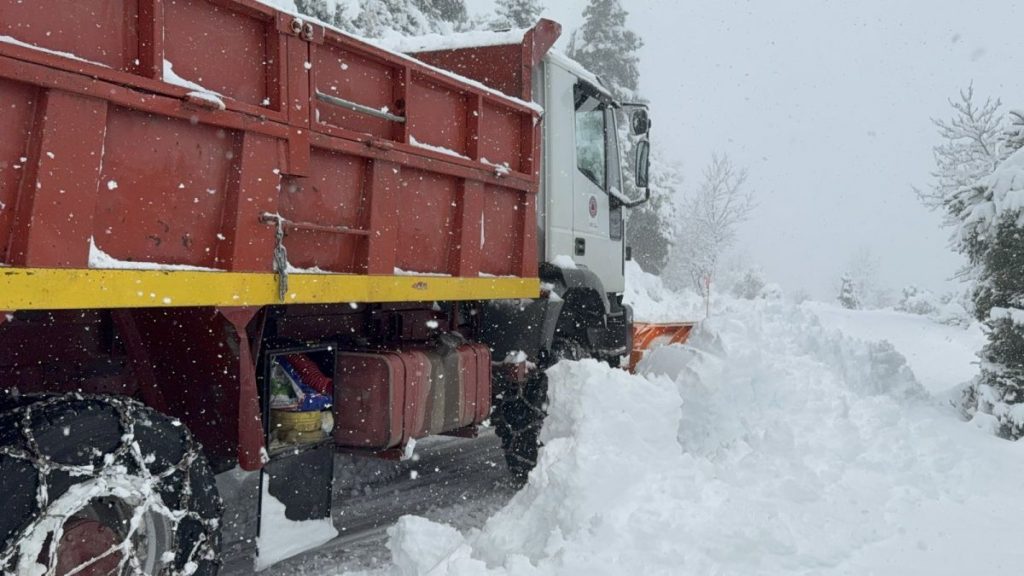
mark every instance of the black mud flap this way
{"type": "Point", "coordinates": [519, 325]}
{"type": "Point", "coordinates": [302, 480]}
{"type": "Point", "coordinates": [240, 491]}
{"type": "Point", "coordinates": [618, 338]}
{"type": "Point", "coordinates": [295, 503]}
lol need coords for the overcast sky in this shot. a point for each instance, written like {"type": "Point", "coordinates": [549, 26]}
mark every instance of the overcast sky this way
{"type": "Point", "coordinates": [827, 103]}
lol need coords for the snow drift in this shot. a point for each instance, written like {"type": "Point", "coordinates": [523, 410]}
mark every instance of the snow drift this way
{"type": "Point", "coordinates": [768, 445]}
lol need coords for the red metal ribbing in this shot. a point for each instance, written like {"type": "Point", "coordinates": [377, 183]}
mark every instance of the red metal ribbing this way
{"type": "Point", "coordinates": [450, 166]}
{"type": "Point", "coordinates": [525, 256]}
{"type": "Point", "coordinates": [381, 246]}
{"type": "Point", "coordinates": [49, 77]}
{"type": "Point", "coordinates": [475, 111]}
{"type": "Point", "coordinates": [57, 196]}
{"type": "Point", "coordinates": [301, 104]}
{"type": "Point", "coordinates": [465, 255]}
{"type": "Point", "coordinates": [402, 89]}
{"type": "Point", "coordinates": [277, 77]}
{"type": "Point", "coordinates": [248, 244]}
{"type": "Point", "coordinates": [250, 420]}
{"type": "Point", "coordinates": [151, 38]}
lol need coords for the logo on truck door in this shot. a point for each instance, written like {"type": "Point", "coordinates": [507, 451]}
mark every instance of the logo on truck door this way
{"type": "Point", "coordinates": [593, 207]}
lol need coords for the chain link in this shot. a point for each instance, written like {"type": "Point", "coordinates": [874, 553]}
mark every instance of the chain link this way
{"type": "Point", "coordinates": [128, 455]}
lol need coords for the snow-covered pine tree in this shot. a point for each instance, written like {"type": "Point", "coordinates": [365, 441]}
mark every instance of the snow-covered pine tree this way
{"type": "Point", "coordinates": [375, 18]}
{"type": "Point", "coordinates": [516, 13]}
{"type": "Point", "coordinates": [991, 235]}
{"type": "Point", "coordinates": [329, 11]}
{"type": "Point", "coordinates": [652, 227]}
{"type": "Point", "coordinates": [972, 145]}
{"type": "Point", "coordinates": [848, 293]}
{"type": "Point", "coordinates": [606, 47]}
{"type": "Point", "coordinates": [444, 15]}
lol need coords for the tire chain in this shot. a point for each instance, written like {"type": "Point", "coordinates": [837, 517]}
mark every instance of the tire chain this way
{"type": "Point", "coordinates": [128, 451]}
{"type": "Point", "coordinates": [527, 417]}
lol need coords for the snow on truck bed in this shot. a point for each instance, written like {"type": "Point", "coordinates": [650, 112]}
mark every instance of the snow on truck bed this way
{"type": "Point", "coordinates": [770, 444]}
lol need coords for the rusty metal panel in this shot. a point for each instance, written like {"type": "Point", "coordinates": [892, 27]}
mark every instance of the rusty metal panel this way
{"type": "Point", "coordinates": [332, 198]}
{"type": "Point", "coordinates": [500, 235]}
{"type": "Point", "coordinates": [163, 188]}
{"type": "Point", "coordinates": [54, 218]}
{"type": "Point", "coordinates": [426, 221]}
{"type": "Point", "coordinates": [151, 175]}
{"type": "Point", "coordinates": [501, 137]}
{"type": "Point", "coordinates": [444, 121]}
{"type": "Point", "coordinates": [58, 25]}
{"type": "Point", "coordinates": [343, 72]}
{"type": "Point", "coordinates": [508, 67]}
{"type": "Point", "coordinates": [221, 47]}
{"type": "Point", "coordinates": [16, 126]}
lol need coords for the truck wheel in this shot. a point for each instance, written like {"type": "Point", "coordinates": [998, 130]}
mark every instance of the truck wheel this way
{"type": "Point", "coordinates": [104, 485]}
{"type": "Point", "coordinates": [520, 412]}
{"type": "Point", "coordinates": [518, 415]}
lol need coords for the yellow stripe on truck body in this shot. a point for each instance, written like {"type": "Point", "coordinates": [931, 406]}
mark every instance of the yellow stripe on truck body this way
{"type": "Point", "coordinates": [64, 289]}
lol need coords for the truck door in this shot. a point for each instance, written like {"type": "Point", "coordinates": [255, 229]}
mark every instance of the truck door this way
{"type": "Point", "coordinates": [597, 216]}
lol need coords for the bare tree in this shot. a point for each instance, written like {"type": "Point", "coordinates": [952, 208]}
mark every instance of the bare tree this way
{"type": "Point", "coordinates": [709, 219]}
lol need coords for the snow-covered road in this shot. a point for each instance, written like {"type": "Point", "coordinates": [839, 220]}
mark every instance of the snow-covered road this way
{"type": "Point", "coordinates": [453, 480]}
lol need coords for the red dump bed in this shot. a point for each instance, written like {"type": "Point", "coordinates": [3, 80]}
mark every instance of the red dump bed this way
{"type": "Point", "coordinates": [113, 143]}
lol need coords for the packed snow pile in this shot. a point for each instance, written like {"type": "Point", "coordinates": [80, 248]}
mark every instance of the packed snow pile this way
{"type": "Point", "coordinates": [771, 443]}
{"type": "Point", "coordinates": [652, 301]}
{"type": "Point", "coordinates": [946, 308]}
{"type": "Point", "coordinates": [943, 356]}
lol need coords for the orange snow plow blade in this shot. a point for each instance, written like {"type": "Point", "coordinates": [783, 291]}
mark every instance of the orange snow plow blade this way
{"type": "Point", "coordinates": [650, 335]}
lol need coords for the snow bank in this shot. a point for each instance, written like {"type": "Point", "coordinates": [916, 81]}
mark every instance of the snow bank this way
{"type": "Point", "coordinates": [770, 444]}
{"type": "Point", "coordinates": [653, 302]}
{"type": "Point", "coordinates": [942, 356]}
{"type": "Point", "coordinates": [571, 498]}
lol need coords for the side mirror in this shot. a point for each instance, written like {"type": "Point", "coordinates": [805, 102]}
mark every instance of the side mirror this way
{"type": "Point", "coordinates": [643, 164]}
{"type": "Point", "coordinates": [640, 122]}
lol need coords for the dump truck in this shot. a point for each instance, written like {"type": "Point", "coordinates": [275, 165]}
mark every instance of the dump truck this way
{"type": "Point", "coordinates": [235, 241]}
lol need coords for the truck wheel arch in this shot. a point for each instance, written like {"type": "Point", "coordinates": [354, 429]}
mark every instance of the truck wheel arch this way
{"type": "Point", "coordinates": [585, 302]}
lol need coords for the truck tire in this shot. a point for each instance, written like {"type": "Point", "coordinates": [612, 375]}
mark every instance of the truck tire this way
{"type": "Point", "coordinates": [519, 413]}
{"type": "Point", "coordinates": [520, 410]}
{"type": "Point", "coordinates": [107, 485]}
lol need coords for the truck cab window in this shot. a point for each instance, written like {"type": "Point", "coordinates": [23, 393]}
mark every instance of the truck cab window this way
{"type": "Point", "coordinates": [590, 138]}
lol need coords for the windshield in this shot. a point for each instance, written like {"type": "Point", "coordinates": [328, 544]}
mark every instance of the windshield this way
{"type": "Point", "coordinates": [591, 157]}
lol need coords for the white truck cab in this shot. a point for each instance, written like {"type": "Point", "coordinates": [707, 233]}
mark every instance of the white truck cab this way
{"type": "Point", "coordinates": [582, 204]}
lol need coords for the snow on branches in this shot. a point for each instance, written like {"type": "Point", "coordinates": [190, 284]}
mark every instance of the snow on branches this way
{"type": "Point", "coordinates": [980, 184]}
{"type": "Point", "coordinates": [708, 221]}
